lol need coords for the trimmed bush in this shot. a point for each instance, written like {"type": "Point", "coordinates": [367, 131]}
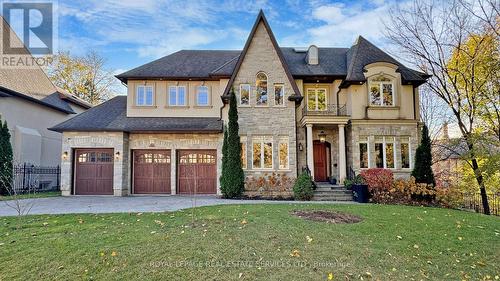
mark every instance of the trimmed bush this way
{"type": "Point", "coordinates": [423, 160]}
{"type": "Point", "coordinates": [6, 158]}
{"type": "Point", "coordinates": [303, 188]}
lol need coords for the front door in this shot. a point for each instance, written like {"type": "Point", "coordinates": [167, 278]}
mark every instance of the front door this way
{"type": "Point", "coordinates": [320, 161]}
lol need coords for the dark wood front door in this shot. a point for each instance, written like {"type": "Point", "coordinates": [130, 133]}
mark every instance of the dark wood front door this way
{"type": "Point", "coordinates": [197, 172]}
{"type": "Point", "coordinates": [94, 171]}
{"type": "Point", "coordinates": [320, 161]}
{"type": "Point", "coordinates": [152, 171]}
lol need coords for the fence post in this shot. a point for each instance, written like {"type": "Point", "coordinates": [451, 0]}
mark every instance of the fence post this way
{"type": "Point", "coordinates": [58, 175]}
{"type": "Point", "coordinates": [24, 176]}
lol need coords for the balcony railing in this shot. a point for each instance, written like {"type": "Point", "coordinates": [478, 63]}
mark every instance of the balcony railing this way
{"type": "Point", "coordinates": [330, 110]}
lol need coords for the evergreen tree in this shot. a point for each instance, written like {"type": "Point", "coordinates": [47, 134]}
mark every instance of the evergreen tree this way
{"type": "Point", "coordinates": [233, 176]}
{"type": "Point", "coordinates": [422, 170]}
{"type": "Point", "coordinates": [6, 158]}
{"type": "Point", "coordinates": [223, 185]}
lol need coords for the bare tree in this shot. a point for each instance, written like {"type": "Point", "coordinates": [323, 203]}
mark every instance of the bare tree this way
{"type": "Point", "coordinates": [17, 200]}
{"type": "Point", "coordinates": [433, 112]}
{"type": "Point", "coordinates": [432, 34]}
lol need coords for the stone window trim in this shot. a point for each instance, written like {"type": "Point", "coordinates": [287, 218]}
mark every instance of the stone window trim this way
{"type": "Point", "coordinates": [277, 85]}
{"type": "Point", "coordinates": [263, 141]}
{"type": "Point", "coordinates": [260, 78]}
{"type": "Point", "coordinates": [380, 80]}
{"type": "Point", "coordinates": [176, 88]}
{"type": "Point", "coordinates": [240, 101]}
{"type": "Point", "coordinates": [145, 87]}
{"type": "Point", "coordinates": [384, 141]}
{"type": "Point", "coordinates": [209, 96]}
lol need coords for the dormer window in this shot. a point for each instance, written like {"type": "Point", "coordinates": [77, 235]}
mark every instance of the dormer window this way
{"type": "Point", "coordinates": [261, 89]}
{"type": "Point", "coordinates": [381, 91]}
{"type": "Point", "coordinates": [144, 95]}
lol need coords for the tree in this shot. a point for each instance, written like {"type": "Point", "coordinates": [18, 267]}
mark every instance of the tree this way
{"type": "Point", "coordinates": [431, 34]}
{"type": "Point", "coordinates": [233, 183]}
{"type": "Point", "coordinates": [422, 171]}
{"type": "Point", "coordinates": [6, 158]}
{"type": "Point", "coordinates": [85, 77]}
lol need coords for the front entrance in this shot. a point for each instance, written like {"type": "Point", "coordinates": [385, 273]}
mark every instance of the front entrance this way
{"type": "Point", "coordinates": [197, 172]}
{"type": "Point", "coordinates": [152, 172]}
{"type": "Point", "coordinates": [321, 151]}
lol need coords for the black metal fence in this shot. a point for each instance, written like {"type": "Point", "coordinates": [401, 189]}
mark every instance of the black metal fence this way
{"type": "Point", "coordinates": [472, 201]}
{"type": "Point", "coordinates": [29, 178]}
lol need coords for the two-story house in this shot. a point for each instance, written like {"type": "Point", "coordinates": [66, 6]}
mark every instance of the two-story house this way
{"type": "Point", "coordinates": [332, 110]}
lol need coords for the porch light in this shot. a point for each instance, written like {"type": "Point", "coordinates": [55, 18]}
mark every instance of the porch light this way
{"type": "Point", "coordinates": [301, 148]}
{"type": "Point", "coordinates": [117, 155]}
{"type": "Point", "coordinates": [65, 155]}
{"type": "Point", "coordinates": [322, 136]}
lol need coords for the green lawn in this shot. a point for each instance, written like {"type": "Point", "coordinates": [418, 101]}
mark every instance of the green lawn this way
{"type": "Point", "coordinates": [31, 195]}
{"type": "Point", "coordinates": [253, 242]}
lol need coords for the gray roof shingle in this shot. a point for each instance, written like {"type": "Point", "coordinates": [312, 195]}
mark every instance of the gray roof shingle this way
{"type": "Point", "coordinates": [111, 116]}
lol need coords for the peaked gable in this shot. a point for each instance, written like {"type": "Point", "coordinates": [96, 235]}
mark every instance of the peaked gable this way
{"type": "Point", "coordinates": [261, 19]}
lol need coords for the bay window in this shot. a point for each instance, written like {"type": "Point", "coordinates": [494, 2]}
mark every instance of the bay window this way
{"type": "Point", "coordinates": [385, 154]}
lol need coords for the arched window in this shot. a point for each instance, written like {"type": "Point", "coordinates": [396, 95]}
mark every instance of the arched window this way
{"type": "Point", "coordinates": [381, 91]}
{"type": "Point", "coordinates": [261, 87]}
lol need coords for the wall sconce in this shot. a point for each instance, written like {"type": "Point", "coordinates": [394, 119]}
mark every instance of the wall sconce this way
{"type": "Point", "coordinates": [117, 155]}
{"type": "Point", "coordinates": [300, 147]}
{"type": "Point", "coordinates": [322, 136]}
{"type": "Point", "coordinates": [65, 155]}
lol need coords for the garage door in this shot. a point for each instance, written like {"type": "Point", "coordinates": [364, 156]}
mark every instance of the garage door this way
{"type": "Point", "coordinates": [197, 172]}
{"type": "Point", "coordinates": [94, 172]}
{"type": "Point", "coordinates": [151, 171]}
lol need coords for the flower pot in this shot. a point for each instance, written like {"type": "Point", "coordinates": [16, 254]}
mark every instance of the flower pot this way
{"type": "Point", "coordinates": [333, 181]}
{"type": "Point", "coordinates": [360, 193]}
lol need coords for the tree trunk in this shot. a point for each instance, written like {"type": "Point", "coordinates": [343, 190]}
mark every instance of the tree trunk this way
{"type": "Point", "coordinates": [479, 179]}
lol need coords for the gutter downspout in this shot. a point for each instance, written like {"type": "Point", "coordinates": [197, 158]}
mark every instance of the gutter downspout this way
{"type": "Point", "coordinates": [414, 103]}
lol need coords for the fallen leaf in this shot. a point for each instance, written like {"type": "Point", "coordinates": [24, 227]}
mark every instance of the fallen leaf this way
{"type": "Point", "coordinates": [295, 253]}
{"type": "Point", "coordinates": [330, 276]}
{"type": "Point", "coordinates": [243, 222]}
{"type": "Point", "coordinates": [399, 237]}
{"type": "Point", "coordinates": [460, 238]}
{"type": "Point", "coordinates": [309, 239]}
{"type": "Point", "coordinates": [415, 246]}
{"type": "Point", "coordinates": [114, 254]}
{"type": "Point", "coordinates": [241, 274]}
{"type": "Point", "coordinates": [45, 223]}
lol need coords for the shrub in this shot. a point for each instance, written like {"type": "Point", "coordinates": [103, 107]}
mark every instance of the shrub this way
{"type": "Point", "coordinates": [269, 183]}
{"type": "Point", "coordinates": [423, 160]}
{"type": "Point", "coordinates": [378, 179]}
{"type": "Point", "coordinates": [303, 187]}
{"type": "Point", "coordinates": [449, 197]}
{"type": "Point", "coordinates": [358, 179]}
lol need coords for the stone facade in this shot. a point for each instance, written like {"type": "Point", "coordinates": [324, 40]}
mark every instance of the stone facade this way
{"type": "Point", "coordinates": [118, 141]}
{"type": "Point", "coordinates": [270, 121]}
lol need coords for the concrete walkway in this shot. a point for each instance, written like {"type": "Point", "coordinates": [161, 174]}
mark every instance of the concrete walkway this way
{"type": "Point", "coordinates": [110, 204]}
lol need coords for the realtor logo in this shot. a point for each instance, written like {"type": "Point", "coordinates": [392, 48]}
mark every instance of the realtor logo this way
{"type": "Point", "coordinates": [33, 22]}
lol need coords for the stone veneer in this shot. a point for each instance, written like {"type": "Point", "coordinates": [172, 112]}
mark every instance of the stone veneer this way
{"type": "Point", "coordinates": [118, 141]}
{"type": "Point", "coordinates": [267, 121]}
{"type": "Point", "coordinates": [372, 130]}
{"type": "Point", "coordinates": [125, 143]}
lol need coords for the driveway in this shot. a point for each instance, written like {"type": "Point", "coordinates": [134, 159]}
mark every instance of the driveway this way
{"type": "Point", "coordinates": [111, 204]}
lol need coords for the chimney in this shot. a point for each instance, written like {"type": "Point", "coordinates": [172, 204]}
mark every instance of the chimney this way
{"type": "Point", "coordinates": [444, 132]}
{"type": "Point", "coordinates": [312, 57]}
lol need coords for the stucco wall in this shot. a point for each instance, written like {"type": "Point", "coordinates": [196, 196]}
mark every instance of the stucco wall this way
{"type": "Point", "coordinates": [28, 123]}
{"type": "Point", "coordinates": [269, 121]}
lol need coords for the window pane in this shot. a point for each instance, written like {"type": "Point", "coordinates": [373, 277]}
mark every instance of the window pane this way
{"type": "Point", "coordinates": [375, 94]}
{"type": "Point", "coordinates": [268, 155]}
{"type": "Point", "coordinates": [379, 155]}
{"type": "Point", "coordinates": [244, 94]}
{"type": "Point", "coordinates": [172, 94]}
{"type": "Point", "coordinates": [311, 99]}
{"type": "Point", "coordinates": [243, 154]}
{"type": "Point", "coordinates": [261, 93]}
{"type": "Point", "coordinates": [389, 154]}
{"type": "Point", "coordinates": [405, 155]}
{"type": "Point", "coordinates": [278, 94]}
{"type": "Point", "coordinates": [283, 155]}
{"type": "Point", "coordinates": [321, 99]}
{"type": "Point", "coordinates": [363, 155]}
{"type": "Point", "coordinates": [387, 90]}
{"type": "Point", "coordinates": [140, 95]}
{"type": "Point", "coordinates": [202, 95]}
{"type": "Point", "coordinates": [149, 95]}
{"type": "Point", "coordinates": [181, 99]}
{"type": "Point", "coordinates": [257, 146]}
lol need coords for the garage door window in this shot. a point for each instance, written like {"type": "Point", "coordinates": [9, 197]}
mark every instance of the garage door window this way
{"type": "Point", "coordinates": [195, 158]}
{"type": "Point", "coordinates": [153, 158]}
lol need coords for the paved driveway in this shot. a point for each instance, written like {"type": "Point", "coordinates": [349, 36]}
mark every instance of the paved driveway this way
{"type": "Point", "coordinates": [111, 204]}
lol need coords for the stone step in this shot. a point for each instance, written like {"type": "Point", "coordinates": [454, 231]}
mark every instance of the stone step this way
{"type": "Point", "coordinates": [332, 198]}
{"type": "Point", "coordinates": [331, 189]}
{"type": "Point", "coordinates": [332, 192]}
{"type": "Point", "coordinates": [326, 184]}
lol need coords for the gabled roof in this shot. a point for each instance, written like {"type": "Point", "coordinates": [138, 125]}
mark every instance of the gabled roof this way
{"type": "Point", "coordinates": [262, 18]}
{"type": "Point", "coordinates": [112, 116]}
{"type": "Point", "coordinates": [52, 101]}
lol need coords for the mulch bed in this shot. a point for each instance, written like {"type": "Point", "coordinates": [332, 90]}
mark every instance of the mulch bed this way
{"type": "Point", "coordinates": [327, 216]}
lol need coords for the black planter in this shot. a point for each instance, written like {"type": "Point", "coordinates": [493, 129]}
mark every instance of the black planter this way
{"type": "Point", "coordinates": [333, 181]}
{"type": "Point", "coordinates": [360, 193]}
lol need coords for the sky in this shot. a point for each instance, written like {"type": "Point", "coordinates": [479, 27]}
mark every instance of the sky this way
{"type": "Point", "coordinates": [129, 33]}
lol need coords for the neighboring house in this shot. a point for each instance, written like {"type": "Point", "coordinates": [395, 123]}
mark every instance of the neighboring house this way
{"type": "Point", "coordinates": [330, 109]}
{"type": "Point", "coordinates": [30, 104]}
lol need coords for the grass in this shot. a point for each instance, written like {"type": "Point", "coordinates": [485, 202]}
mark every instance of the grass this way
{"type": "Point", "coordinates": [31, 195]}
{"type": "Point", "coordinates": [253, 242]}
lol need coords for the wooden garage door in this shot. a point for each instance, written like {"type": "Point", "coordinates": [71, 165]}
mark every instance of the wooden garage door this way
{"type": "Point", "coordinates": [151, 171]}
{"type": "Point", "coordinates": [94, 172]}
{"type": "Point", "coordinates": [197, 172]}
